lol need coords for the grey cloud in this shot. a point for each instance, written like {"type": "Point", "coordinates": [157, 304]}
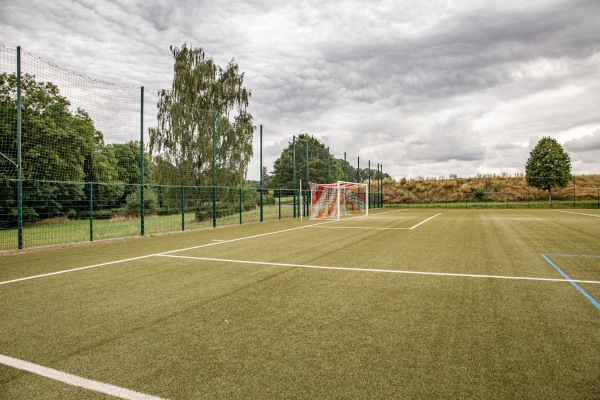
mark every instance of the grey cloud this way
{"type": "Point", "coordinates": [403, 82]}
{"type": "Point", "coordinates": [585, 143]}
{"type": "Point", "coordinates": [585, 149]}
{"type": "Point", "coordinates": [451, 140]}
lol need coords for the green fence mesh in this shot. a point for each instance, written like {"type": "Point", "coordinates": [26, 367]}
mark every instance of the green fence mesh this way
{"type": "Point", "coordinates": [84, 159]}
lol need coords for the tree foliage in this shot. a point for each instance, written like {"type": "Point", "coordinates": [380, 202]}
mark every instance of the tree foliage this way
{"type": "Point", "coordinates": [318, 157]}
{"type": "Point", "coordinates": [202, 95]}
{"type": "Point", "coordinates": [318, 169]}
{"type": "Point", "coordinates": [59, 148]}
{"type": "Point", "coordinates": [548, 166]}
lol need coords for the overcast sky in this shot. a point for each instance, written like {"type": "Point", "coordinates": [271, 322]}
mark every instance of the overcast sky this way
{"type": "Point", "coordinates": [427, 88]}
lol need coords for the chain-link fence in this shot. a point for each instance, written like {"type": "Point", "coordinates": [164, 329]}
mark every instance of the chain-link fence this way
{"type": "Point", "coordinates": [83, 159]}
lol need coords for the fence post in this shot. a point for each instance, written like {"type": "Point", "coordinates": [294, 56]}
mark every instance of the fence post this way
{"type": "Point", "coordinates": [241, 189]}
{"type": "Point", "coordinates": [378, 187]}
{"type": "Point", "coordinates": [294, 171]}
{"type": "Point", "coordinates": [369, 164]}
{"type": "Point", "coordinates": [182, 208]}
{"type": "Point", "coordinates": [574, 191]}
{"type": "Point", "coordinates": [306, 147]}
{"type": "Point", "coordinates": [261, 176]}
{"type": "Point", "coordinates": [328, 166]}
{"type": "Point", "coordinates": [19, 161]}
{"type": "Point", "coordinates": [345, 162]}
{"type": "Point", "coordinates": [214, 170]}
{"type": "Point", "coordinates": [142, 161]}
{"type": "Point", "coordinates": [91, 204]}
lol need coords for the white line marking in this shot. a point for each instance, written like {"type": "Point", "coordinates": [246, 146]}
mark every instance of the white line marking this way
{"type": "Point", "coordinates": [375, 228]}
{"type": "Point", "coordinates": [362, 227]}
{"type": "Point", "coordinates": [75, 269]}
{"type": "Point", "coordinates": [157, 254]}
{"type": "Point", "coordinates": [249, 237]}
{"type": "Point", "coordinates": [576, 213]}
{"type": "Point", "coordinates": [421, 223]}
{"type": "Point", "coordinates": [390, 271]}
{"type": "Point", "coordinates": [75, 380]}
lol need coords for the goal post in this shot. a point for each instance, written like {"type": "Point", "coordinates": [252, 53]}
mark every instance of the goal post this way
{"type": "Point", "coordinates": [335, 200]}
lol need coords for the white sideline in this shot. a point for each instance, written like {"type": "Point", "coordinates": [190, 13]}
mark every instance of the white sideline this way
{"type": "Point", "coordinates": [576, 213]}
{"type": "Point", "coordinates": [389, 271]}
{"type": "Point", "coordinates": [157, 254]}
{"type": "Point", "coordinates": [75, 269]}
{"type": "Point", "coordinates": [75, 380]}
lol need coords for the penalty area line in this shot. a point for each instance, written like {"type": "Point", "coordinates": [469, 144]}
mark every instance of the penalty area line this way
{"type": "Point", "coordinates": [74, 380]}
{"type": "Point", "coordinates": [428, 219]}
{"type": "Point", "coordinates": [388, 271]}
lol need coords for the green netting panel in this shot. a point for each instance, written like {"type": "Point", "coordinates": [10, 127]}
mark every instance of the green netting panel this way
{"type": "Point", "coordinates": [278, 175]}
{"type": "Point", "coordinates": [104, 160]}
{"type": "Point", "coordinates": [72, 125]}
{"type": "Point", "coordinates": [277, 160]}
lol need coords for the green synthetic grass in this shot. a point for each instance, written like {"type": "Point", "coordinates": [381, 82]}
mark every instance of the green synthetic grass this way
{"type": "Point", "coordinates": [188, 328]}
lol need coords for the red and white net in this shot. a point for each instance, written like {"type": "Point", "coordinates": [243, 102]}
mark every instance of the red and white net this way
{"type": "Point", "coordinates": [333, 200]}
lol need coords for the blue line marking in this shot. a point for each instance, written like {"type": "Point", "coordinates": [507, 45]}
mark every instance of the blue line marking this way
{"type": "Point", "coordinates": [583, 292]}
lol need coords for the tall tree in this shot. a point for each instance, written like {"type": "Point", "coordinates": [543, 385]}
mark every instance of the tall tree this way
{"type": "Point", "coordinates": [201, 91]}
{"type": "Point", "coordinates": [548, 166]}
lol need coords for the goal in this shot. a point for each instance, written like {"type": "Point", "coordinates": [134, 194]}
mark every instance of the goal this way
{"type": "Point", "coordinates": [334, 200]}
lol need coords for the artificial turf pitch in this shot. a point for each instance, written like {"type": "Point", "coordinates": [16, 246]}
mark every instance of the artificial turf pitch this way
{"type": "Point", "coordinates": [399, 304]}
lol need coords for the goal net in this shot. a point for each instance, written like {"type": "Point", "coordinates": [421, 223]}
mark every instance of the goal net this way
{"type": "Point", "coordinates": [334, 200]}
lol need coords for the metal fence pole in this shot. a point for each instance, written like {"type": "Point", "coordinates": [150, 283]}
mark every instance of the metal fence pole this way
{"type": "Point", "coordinates": [142, 228]}
{"type": "Point", "coordinates": [91, 207]}
{"type": "Point", "coordinates": [261, 176]}
{"type": "Point", "coordinates": [241, 209]}
{"type": "Point", "coordinates": [328, 166]}
{"type": "Point", "coordinates": [306, 147]}
{"type": "Point", "coordinates": [345, 162]}
{"type": "Point", "coordinates": [214, 170]}
{"type": "Point", "coordinates": [182, 208]}
{"type": "Point", "coordinates": [574, 191]}
{"type": "Point", "coordinates": [369, 163]}
{"type": "Point", "coordinates": [294, 171]}
{"type": "Point", "coordinates": [19, 161]}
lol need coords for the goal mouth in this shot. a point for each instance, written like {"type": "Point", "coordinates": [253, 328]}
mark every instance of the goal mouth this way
{"type": "Point", "coordinates": [334, 200]}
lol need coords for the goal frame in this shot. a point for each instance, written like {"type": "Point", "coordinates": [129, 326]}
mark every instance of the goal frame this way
{"type": "Point", "coordinates": [339, 190]}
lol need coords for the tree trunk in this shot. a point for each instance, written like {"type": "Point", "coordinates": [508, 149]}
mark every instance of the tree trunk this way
{"type": "Point", "coordinates": [550, 195]}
